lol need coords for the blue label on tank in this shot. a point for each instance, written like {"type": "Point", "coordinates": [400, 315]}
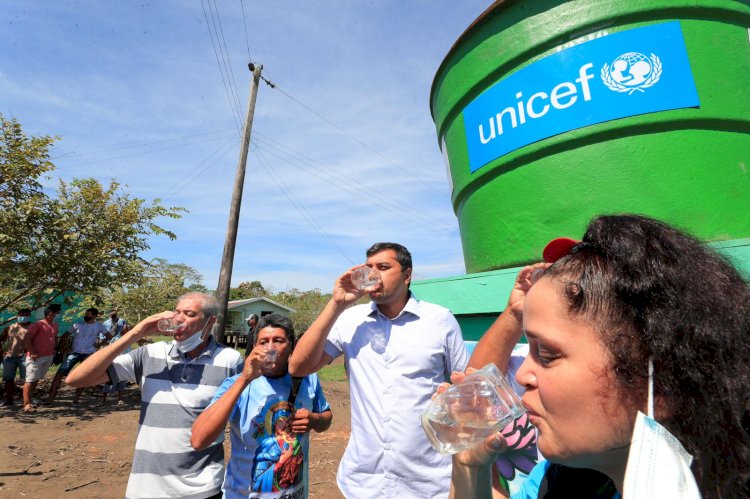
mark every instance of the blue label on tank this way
{"type": "Point", "coordinates": [642, 70]}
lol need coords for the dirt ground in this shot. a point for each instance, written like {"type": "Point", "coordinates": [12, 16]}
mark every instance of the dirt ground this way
{"type": "Point", "coordinates": [86, 450]}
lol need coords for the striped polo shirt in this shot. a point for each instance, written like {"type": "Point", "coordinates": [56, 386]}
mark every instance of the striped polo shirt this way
{"type": "Point", "coordinates": [174, 390]}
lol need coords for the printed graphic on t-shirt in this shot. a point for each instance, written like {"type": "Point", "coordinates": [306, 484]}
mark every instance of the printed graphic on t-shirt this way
{"type": "Point", "coordinates": [279, 459]}
{"type": "Point", "coordinates": [513, 466]}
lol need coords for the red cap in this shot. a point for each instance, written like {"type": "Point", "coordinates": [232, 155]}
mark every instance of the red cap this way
{"type": "Point", "coordinates": [558, 248]}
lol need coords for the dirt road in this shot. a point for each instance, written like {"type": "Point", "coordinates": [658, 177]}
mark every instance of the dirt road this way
{"type": "Point", "coordinates": [85, 451]}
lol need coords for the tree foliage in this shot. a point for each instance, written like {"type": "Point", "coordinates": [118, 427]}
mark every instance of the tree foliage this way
{"type": "Point", "coordinates": [307, 306]}
{"type": "Point", "coordinates": [82, 238]}
{"type": "Point", "coordinates": [155, 291]}
{"type": "Point", "coordinates": [248, 289]}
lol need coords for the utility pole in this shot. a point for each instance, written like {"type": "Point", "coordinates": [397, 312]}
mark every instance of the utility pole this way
{"type": "Point", "coordinates": [227, 260]}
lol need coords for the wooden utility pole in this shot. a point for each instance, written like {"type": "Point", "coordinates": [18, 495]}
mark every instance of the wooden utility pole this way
{"type": "Point", "coordinates": [227, 260]}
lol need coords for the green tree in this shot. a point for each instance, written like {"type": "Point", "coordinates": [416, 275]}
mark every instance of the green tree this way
{"type": "Point", "coordinates": [155, 291]}
{"type": "Point", "coordinates": [307, 306]}
{"type": "Point", "coordinates": [85, 238]}
{"type": "Point", "coordinates": [23, 160]}
{"type": "Point", "coordinates": [248, 289]}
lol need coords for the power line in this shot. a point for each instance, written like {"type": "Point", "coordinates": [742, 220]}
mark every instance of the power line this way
{"type": "Point", "coordinates": [221, 72]}
{"type": "Point", "coordinates": [129, 155]}
{"type": "Point", "coordinates": [132, 146]}
{"type": "Point", "coordinates": [227, 61]}
{"type": "Point", "coordinates": [299, 205]}
{"type": "Point", "coordinates": [189, 177]}
{"type": "Point", "coordinates": [354, 187]}
{"type": "Point", "coordinates": [351, 136]}
{"type": "Point", "coordinates": [335, 173]}
{"type": "Point", "coordinates": [244, 23]}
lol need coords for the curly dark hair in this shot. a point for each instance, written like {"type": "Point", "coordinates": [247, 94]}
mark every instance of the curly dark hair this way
{"type": "Point", "coordinates": [652, 291]}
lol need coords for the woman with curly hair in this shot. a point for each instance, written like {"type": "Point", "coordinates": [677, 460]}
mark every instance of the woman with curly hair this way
{"type": "Point", "coordinates": [635, 297]}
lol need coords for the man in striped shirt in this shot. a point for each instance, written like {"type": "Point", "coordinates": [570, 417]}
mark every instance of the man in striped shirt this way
{"type": "Point", "coordinates": [178, 380]}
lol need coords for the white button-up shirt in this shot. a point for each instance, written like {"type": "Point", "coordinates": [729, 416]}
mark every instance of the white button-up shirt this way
{"type": "Point", "coordinates": [394, 367]}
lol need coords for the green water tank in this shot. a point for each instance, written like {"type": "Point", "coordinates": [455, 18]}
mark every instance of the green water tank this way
{"type": "Point", "coordinates": [551, 112]}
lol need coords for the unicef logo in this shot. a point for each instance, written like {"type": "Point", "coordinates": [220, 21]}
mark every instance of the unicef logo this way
{"type": "Point", "coordinates": [632, 71]}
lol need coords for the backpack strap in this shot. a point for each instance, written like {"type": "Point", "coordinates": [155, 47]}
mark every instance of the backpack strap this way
{"type": "Point", "coordinates": [296, 381]}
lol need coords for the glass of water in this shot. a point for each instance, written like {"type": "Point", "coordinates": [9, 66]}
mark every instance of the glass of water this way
{"type": "Point", "coordinates": [268, 361]}
{"type": "Point", "coordinates": [365, 277]}
{"type": "Point", "coordinates": [168, 325]}
{"type": "Point", "coordinates": [468, 412]}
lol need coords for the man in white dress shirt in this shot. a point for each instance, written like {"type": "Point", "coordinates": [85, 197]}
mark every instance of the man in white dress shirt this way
{"type": "Point", "coordinates": [397, 350]}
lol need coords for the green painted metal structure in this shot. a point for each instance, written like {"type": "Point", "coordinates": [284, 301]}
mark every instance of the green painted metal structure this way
{"type": "Point", "coordinates": [688, 167]}
{"type": "Point", "coordinates": [477, 299]}
{"type": "Point", "coordinates": [71, 306]}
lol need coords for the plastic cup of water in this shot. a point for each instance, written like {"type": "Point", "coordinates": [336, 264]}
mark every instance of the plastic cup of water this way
{"type": "Point", "coordinates": [468, 412]}
{"type": "Point", "coordinates": [365, 277]}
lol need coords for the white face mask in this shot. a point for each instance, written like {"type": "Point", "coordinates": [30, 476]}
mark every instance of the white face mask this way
{"type": "Point", "coordinates": [658, 465]}
{"type": "Point", "coordinates": [191, 343]}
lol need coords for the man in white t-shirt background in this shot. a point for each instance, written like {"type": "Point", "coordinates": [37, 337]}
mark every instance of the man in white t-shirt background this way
{"type": "Point", "coordinates": [86, 334]}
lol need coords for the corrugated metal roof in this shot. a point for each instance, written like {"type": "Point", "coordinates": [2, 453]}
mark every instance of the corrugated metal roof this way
{"type": "Point", "coordinates": [232, 304]}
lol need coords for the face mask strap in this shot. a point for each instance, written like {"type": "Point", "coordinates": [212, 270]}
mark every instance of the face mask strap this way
{"type": "Point", "coordinates": [205, 332]}
{"type": "Point", "coordinates": [650, 387]}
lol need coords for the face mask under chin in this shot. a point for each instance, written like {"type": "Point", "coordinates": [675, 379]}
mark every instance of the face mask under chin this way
{"type": "Point", "coordinates": [190, 344]}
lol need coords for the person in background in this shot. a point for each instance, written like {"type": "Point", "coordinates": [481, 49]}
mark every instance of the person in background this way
{"type": "Point", "coordinates": [638, 378]}
{"type": "Point", "coordinates": [397, 350]}
{"type": "Point", "coordinates": [270, 415]}
{"type": "Point", "coordinates": [39, 342]}
{"type": "Point", "coordinates": [85, 334]}
{"type": "Point", "coordinates": [116, 327]}
{"type": "Point", "coordinates": [13, 354]}
{"type": "Point", "coordinates": [178, 379]}
{"type": "Point", "coordinates": [252, 323]}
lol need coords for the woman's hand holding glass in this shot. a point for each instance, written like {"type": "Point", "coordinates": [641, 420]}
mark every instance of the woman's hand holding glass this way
{"type": "Point", "coordinates": [476, 406]}
{"type": "Point", "coordinates": [484, 453]}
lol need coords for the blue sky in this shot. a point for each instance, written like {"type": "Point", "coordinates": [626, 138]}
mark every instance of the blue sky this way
{"type": "Point", "coordinates": [135, 93]}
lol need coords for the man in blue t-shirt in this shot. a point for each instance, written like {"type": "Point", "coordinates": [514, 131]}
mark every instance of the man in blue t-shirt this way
{"type": "Point", "coordinates": [270, 415]}
{"type": "Point", "coordinates": [116, 326]}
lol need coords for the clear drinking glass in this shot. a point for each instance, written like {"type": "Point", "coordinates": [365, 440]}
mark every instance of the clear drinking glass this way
{"type": "Point", "coordinates": [268, 361]}
{"type": "Point", "coordinates": [468, 412]}
{"type": "Point", "coordinates": [168, 325]}
{"type": "Point", "coordinates": [365, 277]}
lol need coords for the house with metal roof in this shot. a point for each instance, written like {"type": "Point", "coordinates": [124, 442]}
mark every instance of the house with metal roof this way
{"type": "Point", "coordinates": [239, 311]}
